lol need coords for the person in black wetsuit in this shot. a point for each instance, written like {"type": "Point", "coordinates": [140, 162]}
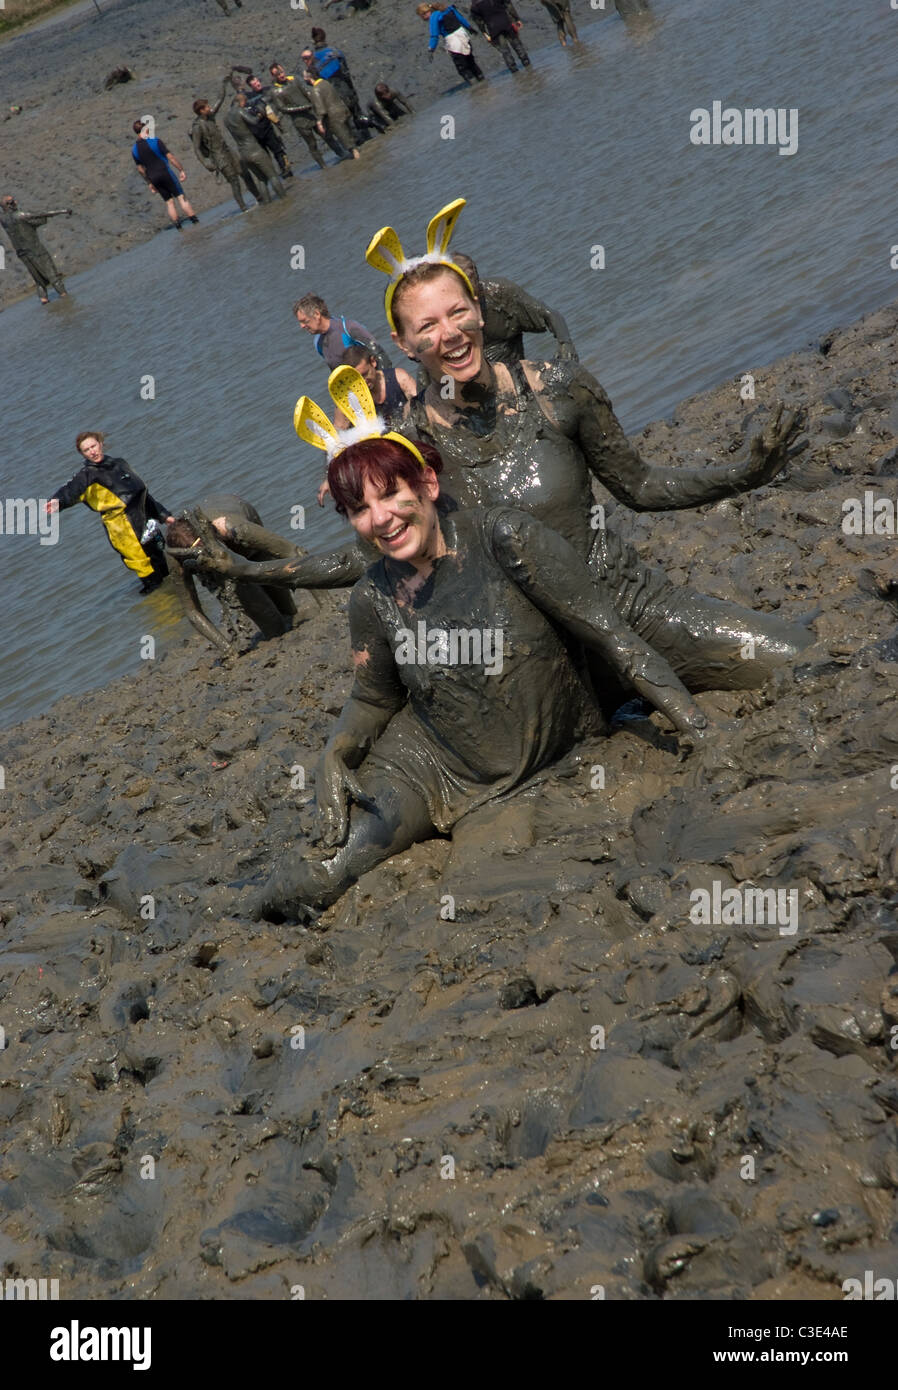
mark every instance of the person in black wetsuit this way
{"type": "Point", "coordinates": [263, 127]}
{"type": "Point", "coordinates": [124, 504]}
{"type": "Point", "coordinates": [391, 387]}
{"type": "Point", "coordinates": [466, 633]}
{"type": "Point", "coordinates": [155, 165]}
{"type": "Point", "coordinates": [499, 22]}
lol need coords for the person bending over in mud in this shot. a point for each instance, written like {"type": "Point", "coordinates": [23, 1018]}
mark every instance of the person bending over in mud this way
{"type": "Point", "coordinates": [465, 636]}
{"type": "Point", "coordinates": [246, 608]}
{"type": "Point", "coordinates": [535, 435]}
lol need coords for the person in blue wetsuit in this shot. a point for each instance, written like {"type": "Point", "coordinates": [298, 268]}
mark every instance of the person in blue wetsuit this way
{"type": "Point", "coordinates": [154, 162]}
{"type": "Point", "coordinates": [333, 67]}
{"type": "Point", "coordinates": [449, 24]}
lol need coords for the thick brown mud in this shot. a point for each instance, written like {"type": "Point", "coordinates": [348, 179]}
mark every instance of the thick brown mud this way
{"type": "Point", "coordinates": [507, 1064]}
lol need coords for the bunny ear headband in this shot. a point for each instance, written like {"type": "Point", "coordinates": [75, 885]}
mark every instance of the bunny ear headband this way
{"type": "Point", "coordinates": [349, 391]}
{"type": "Point", "coordinates": [385, 253]}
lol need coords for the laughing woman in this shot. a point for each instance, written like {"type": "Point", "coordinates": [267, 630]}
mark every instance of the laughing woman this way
{"type": "Point", "coordinates": [535, 435]}
{"type": "Point", "coordinates": [465, 635]}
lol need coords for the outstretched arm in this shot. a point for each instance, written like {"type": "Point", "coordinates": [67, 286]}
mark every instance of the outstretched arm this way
{"type": "Point", "coordinates": [70, 492]}
{"type": "Point", "coordinates": [185, 588]}
{"type": "Point", "coordinates": [376, 696]}
{"type": "Point", "coordinates": [336, 570]}
{"type": "Point", "coordinates": [224, 91]}
{"type": "Point", "coordinates": [37, 219]}
{"type": "Point", "coordinates": [554, 577]}
{"type": "Point", "coordinates": [649, 487]}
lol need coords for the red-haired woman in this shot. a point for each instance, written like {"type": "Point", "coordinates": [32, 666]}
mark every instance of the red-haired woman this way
{"type": "Point", "coordinates": [464, 635]}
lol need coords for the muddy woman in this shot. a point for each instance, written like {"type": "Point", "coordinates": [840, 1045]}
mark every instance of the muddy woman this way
{"type": "Point", "coordinates": [465, 638]}
{"type": "Point", "coordinates": [535, 435]}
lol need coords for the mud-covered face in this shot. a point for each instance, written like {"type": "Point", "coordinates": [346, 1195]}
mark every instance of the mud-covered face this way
{"type": "Point", "coordinates": [92, 449]}
{"type": "Point", "coordinates": [439, 324]}
{"type": "Point", "coordinates": [367, 370]}
{"type": "Point", "coordinates": [278, 73]}
{"type": "Point", "coordinates": [399, 522]}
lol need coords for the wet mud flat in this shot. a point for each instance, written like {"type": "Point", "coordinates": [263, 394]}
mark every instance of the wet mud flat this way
{"type": "Point", "coordinates": [507, 1064]}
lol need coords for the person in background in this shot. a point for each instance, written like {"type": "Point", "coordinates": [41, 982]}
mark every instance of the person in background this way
{"type": "Point", "coordinates": [253, 157]}
{"type": "Point", "coordinates": [332, 113]}
{"type": "Point", "coordinates": [449, 24]}
{"type": "Point", "coordinates": [123, 502]}
{"type": "Point", "coordinates": [215, 154]}
{"type": "Point", "coordinates": [21, 228]}
{"type": "Point", "coordinates": [290, 98]}
{"type": "Point", "coordinates": [246, 609]}
{"type": "Point", "coordinates": [259, 114]}
{"type": "Point", "coordinates": [333, 67]}
{"type": "Point", "coordinates": [560, 13]}
{"type": "Point", "coordinates": [499, 23]}
{"type": "Point", "coordinates": [389, 103]}
{"type": "Point", "coordinates": [154, 163]}
{"type": "Point", "coordinates": [333, 335]}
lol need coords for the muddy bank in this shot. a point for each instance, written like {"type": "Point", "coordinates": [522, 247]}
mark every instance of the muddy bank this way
{"type": "Point", "coordinates": [178, 50]}
{"type": "Point", "coordinates": [411, 1100]}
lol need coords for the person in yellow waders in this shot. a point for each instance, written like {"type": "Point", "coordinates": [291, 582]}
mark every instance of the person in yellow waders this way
{"type": "Point", "coordinates": [124, 503]}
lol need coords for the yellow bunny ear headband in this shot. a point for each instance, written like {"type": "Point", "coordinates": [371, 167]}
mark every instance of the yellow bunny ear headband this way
{"type": "Point", "coordinates": [385, 253]}
{"type": "Point", "coordinates": [349, 391]}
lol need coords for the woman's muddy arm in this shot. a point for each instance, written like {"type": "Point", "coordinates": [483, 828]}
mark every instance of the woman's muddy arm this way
{"type": "Point", "coordinates": [650, 487]}
{"type": "Point", "coordinates": [376, 696]}
{"type": "Point", "coordinates": [185, 588]}
{"type": "Point", "coordinates": [255, 537]}
{"type": "Point", "coordinates": [336, 570]}
{"type": "Point", "coordinates": [554, 577]}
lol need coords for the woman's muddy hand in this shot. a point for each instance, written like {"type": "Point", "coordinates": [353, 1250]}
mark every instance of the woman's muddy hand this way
{"type": "Point", "coordinates": [337, 788]}
{"type": "Point", "coordinates": [769, 450]}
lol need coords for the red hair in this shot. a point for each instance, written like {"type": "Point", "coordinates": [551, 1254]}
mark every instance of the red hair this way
{"type": "Point", "coordinates": [382, 462]}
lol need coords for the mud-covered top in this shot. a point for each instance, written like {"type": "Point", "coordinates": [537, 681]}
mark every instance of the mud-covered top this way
{"type": "Point", "coordinates": [491, 688]}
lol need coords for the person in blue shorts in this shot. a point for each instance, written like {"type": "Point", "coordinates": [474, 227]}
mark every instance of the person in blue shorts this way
{"type": "Point", "coordinates": [154, 163]}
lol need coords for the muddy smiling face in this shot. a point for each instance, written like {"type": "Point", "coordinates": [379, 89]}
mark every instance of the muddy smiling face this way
{"type": "Point", "coordinates": [439, 324]}
{"type": "Point", "coordinates": [401, 523]}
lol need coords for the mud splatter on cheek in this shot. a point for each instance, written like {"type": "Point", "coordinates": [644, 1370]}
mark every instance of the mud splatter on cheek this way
{"type": "Point", "coordinates": [424, 345]}
{"type": "Point", "coordinates": [470, 326]}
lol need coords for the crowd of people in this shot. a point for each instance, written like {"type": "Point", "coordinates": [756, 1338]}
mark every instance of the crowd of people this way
{"type": "Point", "coordinates": [320, 103]}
